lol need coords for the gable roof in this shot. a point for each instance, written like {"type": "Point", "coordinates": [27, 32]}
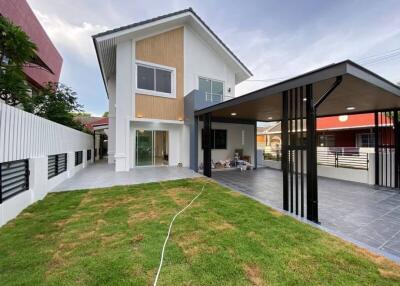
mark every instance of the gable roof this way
{"type": "Point", "coordinates": [121, 31]}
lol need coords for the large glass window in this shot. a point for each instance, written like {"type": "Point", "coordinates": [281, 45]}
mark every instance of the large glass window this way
{"type": "Point", "coordinates": [154, 79]}
{"type": "Point", "coordinates": [213, 89]}
{"type": "Point", "coordinates": [326, 140]}
{"type": "Point", "coordinates": [365, 140]}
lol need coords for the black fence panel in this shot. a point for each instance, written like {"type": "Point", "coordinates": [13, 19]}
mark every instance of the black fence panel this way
{"type": "Point", "coordinates": [14, 178]}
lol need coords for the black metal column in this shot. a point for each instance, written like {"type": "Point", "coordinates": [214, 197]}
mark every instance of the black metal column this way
{"type": "Point", "coordinates": [285, 149]}
{"type": "Point", "coordinates": [396, 125]}
{"type": "Point", "coordinates": [312, 179]}
{"type": "Point", "coordinates": [376, 147]}
{"type": "Point", "coordinates": [207, 145]}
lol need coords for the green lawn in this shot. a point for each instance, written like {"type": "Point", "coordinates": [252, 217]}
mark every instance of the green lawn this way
{"type": "Point", "coordinates": [114, 236]}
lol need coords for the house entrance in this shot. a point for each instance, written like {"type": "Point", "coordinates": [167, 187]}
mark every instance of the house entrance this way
{"type": "Point", "coordinates": [151, 148]}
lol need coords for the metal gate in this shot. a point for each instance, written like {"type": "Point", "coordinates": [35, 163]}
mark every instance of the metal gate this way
{"type": "Point", "coordinates": [387, 149]}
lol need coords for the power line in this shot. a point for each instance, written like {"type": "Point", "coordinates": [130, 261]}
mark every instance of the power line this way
{"type": "Point", "coordinates": [365, 61]}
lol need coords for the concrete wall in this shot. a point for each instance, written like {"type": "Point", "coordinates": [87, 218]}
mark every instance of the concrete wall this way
{"type": "Point", "coordinates": [239, 136]}
{"type": "Point", "coordinates": [201, 60]}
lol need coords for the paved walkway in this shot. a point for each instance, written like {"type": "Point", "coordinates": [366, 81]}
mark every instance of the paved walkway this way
{"type": "Point", "coordinates": [355, 211]}
{"type": "Point", "coordinates": [101, 175]}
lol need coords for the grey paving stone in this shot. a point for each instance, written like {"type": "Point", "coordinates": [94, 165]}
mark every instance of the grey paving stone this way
{"type": "Point", "coordinates": [361, 212]}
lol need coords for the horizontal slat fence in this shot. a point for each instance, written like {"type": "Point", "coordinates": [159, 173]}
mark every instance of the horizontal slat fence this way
{"type": "Point", "coordinates": [24, 135]}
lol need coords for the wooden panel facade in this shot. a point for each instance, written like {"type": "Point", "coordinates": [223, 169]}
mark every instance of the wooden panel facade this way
{"type": "Point", "coordinates": [163, 49]}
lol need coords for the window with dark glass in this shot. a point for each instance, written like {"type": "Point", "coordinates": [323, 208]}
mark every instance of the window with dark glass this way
{"type": "Point", "coordinates": [218, 138]}
{"type": "Point", "coordinates": [154, 79]}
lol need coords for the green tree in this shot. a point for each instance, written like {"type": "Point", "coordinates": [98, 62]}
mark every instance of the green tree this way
{"type": "Point", "coordinates": [105, 114]}
{"type": "Point", "coordinates": [16, 50]}
{"type": "Point", "coordinates": [57, 102]}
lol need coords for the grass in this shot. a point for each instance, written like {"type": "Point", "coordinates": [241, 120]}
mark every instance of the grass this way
{"type": "Point", "coordinates": [113, 236]}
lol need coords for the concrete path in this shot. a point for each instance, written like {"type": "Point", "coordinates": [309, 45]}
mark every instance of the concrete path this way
{"type": "Point", "coordinates": [101, 175]}
{"type": "Point", "coordinates": [356, 211]}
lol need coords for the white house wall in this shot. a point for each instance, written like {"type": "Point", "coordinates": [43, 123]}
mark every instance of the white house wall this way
{"type": "Point", "coordinates": [201, 60]}
{"type": "Point", "coordinates": [123, 104]}
{"type": "Point", "coordinates": [111, 119]}
{"type": "Point", "coordinates": [235, 140]}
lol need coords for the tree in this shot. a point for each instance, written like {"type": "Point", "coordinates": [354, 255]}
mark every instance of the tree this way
{"type": "Point", "coordinates": [16, 50]}
{"type": "Point", "coordinates": [57, 102]}
{"type": "Point", "coordinates": [105, 114]}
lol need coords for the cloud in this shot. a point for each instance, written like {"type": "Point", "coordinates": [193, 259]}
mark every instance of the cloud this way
{"type": "Point", "coordinates": [71, 38]}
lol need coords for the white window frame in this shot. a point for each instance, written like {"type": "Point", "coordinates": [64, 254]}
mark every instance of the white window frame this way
{"type": "Point", "coordinates": [154, 92]}
{"type": "Point", "coordinates": [359, 139]}
{"type": "Point", "coordinates": [211, 79]}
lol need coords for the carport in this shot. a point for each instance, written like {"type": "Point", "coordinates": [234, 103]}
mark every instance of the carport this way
{"type": "Point", "coordinates": [337, 89]}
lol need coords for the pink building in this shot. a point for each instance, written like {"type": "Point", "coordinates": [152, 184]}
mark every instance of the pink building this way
{"type": "Point", "coordinates": [21, 14]}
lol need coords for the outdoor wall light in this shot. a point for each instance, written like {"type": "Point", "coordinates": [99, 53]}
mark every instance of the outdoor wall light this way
{"type": "Point", "coordinates": [269, 118]}
{"type": "Point", "coordinates": [350, 108]}
{"type": "Point", "coordinates": [140, 115]}
{"type": "Point", "coordinates": [233, 113]}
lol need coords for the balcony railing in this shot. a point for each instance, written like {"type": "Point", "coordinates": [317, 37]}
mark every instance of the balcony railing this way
{"type": "Point", "coordinates": [216, 98]}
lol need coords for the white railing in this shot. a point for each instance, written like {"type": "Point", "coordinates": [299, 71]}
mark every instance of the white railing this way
{"type": "Point", "coordinates": [217, 98]}
{"type": "Point", "coordinates": [24, 135]}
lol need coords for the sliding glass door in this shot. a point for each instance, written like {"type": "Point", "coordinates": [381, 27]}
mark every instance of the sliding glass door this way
{"type": "Point", "coordinates": [151, 147]}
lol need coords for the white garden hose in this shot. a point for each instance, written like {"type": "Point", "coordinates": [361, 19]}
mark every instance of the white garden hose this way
{"type": "Point", "coordinates": [169, 232]}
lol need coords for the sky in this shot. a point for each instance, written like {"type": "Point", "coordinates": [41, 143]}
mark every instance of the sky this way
{"type": "Point", "coordinates": [275, 39]}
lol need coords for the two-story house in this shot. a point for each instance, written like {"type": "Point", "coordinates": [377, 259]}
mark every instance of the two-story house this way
{"type": "Point", "coordinates": [149, 68]}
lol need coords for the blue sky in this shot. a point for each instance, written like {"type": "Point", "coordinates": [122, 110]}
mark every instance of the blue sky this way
{"type": "Point", "coordinates": [275, 39]}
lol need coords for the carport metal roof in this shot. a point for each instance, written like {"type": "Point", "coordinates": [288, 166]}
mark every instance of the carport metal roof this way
{"type": "Point", "coordinates": [360, 88]}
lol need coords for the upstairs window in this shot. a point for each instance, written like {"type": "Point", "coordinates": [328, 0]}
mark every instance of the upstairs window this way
{"type": "Point", "coordinates": [213, 89]}
{"type": "Point", "coordinates": [155, 80]}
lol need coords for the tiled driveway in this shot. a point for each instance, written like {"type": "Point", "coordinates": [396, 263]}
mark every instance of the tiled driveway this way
{"type": "Point", "coordinates": [357, 211]}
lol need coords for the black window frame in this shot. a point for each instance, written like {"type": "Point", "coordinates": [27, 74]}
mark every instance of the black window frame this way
{"type": "Point", "coordinates": [213, 140]}
{"type": "Point", "coordinates": [89, 155]}
{"type": "Point", "coordinates": [22, 169]}
{"type": "Point", "coordinates": [78, 158]}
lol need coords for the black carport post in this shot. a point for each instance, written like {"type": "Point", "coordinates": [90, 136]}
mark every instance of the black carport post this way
{"type": "Point", "coordinates": [396, 125]}
{"type": "Point", "coordinates": [312, 179]}
{"type": "Point", "coordinates": [376, 135]}
{"type": "Point", "coordinates": [284, 150]}
{"type": "Point", "coordinates": [207, 145]}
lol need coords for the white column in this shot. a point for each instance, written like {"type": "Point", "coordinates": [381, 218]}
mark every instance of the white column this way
{"type": "Point", "coordinates": [38, 178]}
{"type": "Point", "coordinates": [123, 105]}
{"type": "Point", "coordinates": [111, 120]}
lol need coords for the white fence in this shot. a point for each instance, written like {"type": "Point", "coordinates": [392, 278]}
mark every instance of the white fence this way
{"type": "Point", "coordinates": [26, 136]}
{"type": "Point", "coordinates": [364, 175]}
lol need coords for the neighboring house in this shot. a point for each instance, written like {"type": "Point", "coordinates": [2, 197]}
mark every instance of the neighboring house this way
{"type": "Point", "coordinates": [151, 71]}
{"type": "Point", "coordinates": [355, 131]}
{"type": "Point", "coordinates": [99, 127]}
{"type": "Point", "coordinates": [47, 65]}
